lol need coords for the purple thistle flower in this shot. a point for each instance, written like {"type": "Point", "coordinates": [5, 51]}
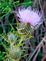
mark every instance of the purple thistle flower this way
{"type": "Point", "coordinates": [29, 16]}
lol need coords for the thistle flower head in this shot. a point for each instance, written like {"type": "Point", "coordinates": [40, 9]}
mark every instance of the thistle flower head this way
{"type": "Point", "coordinates": [11, 36]}
{"type": "Point", "coordinates": [14, 52]}
{"type": "Point", "coordinates": [31, 16]}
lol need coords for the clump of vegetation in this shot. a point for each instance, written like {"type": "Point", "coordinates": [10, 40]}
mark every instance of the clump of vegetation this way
{"type": "Point", "coordinates": [17, 41]}
{"type": "Point", "coordinates": [12, 35]}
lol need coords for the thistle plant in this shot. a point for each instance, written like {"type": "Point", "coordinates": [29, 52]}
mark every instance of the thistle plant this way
{"type": "Point", "coordinates": [17, 41]}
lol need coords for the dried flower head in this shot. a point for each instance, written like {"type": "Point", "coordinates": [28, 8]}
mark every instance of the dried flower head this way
{"type": "Point", "coordinates": [14, 52]}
